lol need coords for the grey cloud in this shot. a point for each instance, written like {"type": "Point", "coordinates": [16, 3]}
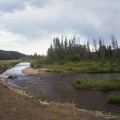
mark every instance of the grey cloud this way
{"type": "Point", "coordinates": [88, 18]}
{"type": "Point", "coordinates": [11, 5]}
{"type": "Point", "coordinates": [40, 3]}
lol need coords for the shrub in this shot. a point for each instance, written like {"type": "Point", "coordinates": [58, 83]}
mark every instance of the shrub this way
{"type": "Point", "coordinates": [93, 69]}
{"type": "Point", "coordinates": [78, 81]}
{"type": "Point", "coordinates": [107, 87]}
{"type": "Point", "coordinates": [114, 80]}
{"type": "Point", "coordinates": [61, 62]}
{"type": "Point", "coordinates": [76, 58]}
{"type": "Point", "coordinates": [83, 84]}
{"type": "Point", "coordinates": [111, 69]}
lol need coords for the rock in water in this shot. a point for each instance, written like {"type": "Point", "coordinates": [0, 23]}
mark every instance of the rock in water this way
{"type": "Point", "coordinates": [12, 76]}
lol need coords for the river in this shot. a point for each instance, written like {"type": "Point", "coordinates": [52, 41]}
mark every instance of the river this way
{"type": "Point", "coordinates": [57, 87]}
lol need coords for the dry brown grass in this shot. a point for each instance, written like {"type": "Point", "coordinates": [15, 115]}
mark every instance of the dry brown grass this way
{"type": "Point", "coordinates": [9, 61]}
{"type": "Point", "coordinates": [14, 106]}
{"type": "Point", "coordinates": [6, 64]}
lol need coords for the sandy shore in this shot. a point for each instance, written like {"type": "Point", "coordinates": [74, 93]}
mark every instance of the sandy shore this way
{"type": "Point", "coordinates": [31, 71]}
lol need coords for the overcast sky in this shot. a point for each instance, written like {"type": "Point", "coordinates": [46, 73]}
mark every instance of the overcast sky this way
{"type": "Point", "coordinates": [29, 26]}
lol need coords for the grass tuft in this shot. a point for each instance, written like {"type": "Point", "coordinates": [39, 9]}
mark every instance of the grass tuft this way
{"type": "Point", "coordinates": [104, 85]}
{"type": "Point", "coordinates": [113, 99]}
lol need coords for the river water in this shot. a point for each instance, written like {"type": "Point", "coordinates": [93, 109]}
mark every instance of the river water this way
{"type": "Point", "coordinates": [57, 87]}
{"type": "Point", "coordinates": [17, 70]}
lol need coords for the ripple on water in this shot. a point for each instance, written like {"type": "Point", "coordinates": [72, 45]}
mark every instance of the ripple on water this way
{"type": "Point", "coordinates": [58, 87]}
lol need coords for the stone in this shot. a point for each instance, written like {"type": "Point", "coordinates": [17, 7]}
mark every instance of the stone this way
{"type": "Point", "coordinates": [12, 76]}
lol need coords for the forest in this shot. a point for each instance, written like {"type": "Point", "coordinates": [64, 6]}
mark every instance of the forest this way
{"type": "Point", "coordinates": [71, 50]}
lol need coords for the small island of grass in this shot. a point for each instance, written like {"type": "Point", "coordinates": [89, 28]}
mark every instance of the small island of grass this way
{"type": "Point", "coordinates": [104, 85]}
{"type": "Point", "coordinates": [113, 99]}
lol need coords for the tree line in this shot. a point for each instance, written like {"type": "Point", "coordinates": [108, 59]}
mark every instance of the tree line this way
{"type": "Point", "coordinates": [65, 49]}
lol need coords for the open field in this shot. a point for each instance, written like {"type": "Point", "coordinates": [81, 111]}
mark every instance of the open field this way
{"type": "Point", "coordinates": [6, 64]}
{"type": "Point", "coordinates": [80, 67]}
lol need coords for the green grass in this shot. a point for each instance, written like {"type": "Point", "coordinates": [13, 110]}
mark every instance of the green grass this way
{"type": "Point", "coordinates": [80, 67]}
{"type": "Point", "coordinates": [113, 99]}
{"type": "Point", "coordinates": [6, 64]}
{"type": "Point", "coordinates": [104, 85]}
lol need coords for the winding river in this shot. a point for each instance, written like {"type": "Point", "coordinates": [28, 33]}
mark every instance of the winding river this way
{"type": "Point", "coordinates": [57, 87]}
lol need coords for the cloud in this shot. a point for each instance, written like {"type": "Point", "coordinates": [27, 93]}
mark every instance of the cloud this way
{"type": "Point", "coordinates": [31, 22]}
{"type": "Point", "coordinates": [40, 20]}
{"type": "Point", "coordinates": [7, 37]}
{"type": "Point", "coordinates": [11, 5]}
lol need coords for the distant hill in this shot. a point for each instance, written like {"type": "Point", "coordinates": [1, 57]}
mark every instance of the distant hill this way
{"type": "Point", "coordinates": [8, 55]}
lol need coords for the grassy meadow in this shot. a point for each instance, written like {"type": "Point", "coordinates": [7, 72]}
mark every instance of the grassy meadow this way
{"type": "Point", "coordinates": [80, 67]}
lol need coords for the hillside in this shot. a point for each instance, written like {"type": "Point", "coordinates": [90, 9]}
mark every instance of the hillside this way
{"type": "Point", "coordinates": [8, 55]}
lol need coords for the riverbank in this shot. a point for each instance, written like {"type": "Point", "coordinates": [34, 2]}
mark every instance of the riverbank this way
{"type": "Point", "coordinates": [19, 106]}
{"type": "Point", "coordinates": [31, 71]}
{"type": "Point", "coordinates": [6, 64]}
{"type": "Point", "coordinates": [79, 67]}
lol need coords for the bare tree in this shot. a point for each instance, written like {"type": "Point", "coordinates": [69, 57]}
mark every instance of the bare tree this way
{"type": "Point", "coordinates": [88, 50]}
{"type": "Point", "coordinates": [114, 46]}
{"type": "Point", "coordinates": [95, 45]}
{"type": "Point", "coordinates": [114, 42]}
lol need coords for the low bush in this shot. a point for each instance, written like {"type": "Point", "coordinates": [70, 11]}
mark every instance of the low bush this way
{"type": "Point", "coordinates": [83, 84]}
